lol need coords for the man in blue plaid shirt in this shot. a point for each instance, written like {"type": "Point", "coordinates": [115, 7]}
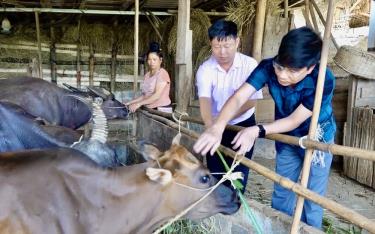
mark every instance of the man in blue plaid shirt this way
{"type": "Point", "coordinates": [291, 77]}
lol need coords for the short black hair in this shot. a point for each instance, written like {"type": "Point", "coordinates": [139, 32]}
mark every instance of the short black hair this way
{"type": "Point", "coordinates": [154, 47]}
{"type": "Point", "coordinates": [300, 48]}
{"type": "Point", "coordinates": [222, 29]}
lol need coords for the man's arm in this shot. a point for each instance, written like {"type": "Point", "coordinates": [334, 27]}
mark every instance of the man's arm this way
{"type": "Point", "coordinates": [245, 138]}
{"type": "Point", "coordinates": [211, 138]}
{"type": "Point", "coordinates": [206, 111]}
{"type": "Point", "coordinates": [245, 107]}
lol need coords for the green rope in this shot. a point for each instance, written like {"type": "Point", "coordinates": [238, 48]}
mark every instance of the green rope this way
{"type": "Point", "coordinates": [239, 186]}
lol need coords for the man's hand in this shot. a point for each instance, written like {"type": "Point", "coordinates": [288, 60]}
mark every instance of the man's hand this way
{"type": "Point", "coordinates": [209, 141]}
{"type": "Point", "coordinates": [244, 140]}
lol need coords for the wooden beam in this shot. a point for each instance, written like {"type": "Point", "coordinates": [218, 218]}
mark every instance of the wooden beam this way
{"type": "Point", "coordinates": [315, 115]}
{"type": "Point", "coordinates": [78, 11]}
{"type": "Point", "coordinates": [136, 36]}
{"type": "Point", "coordinates": [40, 61]}
{"type": "Point", "coordinates": [53, 53]}
{"type": "Point", "coordinates": [259, 29]}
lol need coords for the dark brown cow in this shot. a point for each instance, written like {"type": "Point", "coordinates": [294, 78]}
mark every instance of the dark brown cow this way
{"type": "Point", "coordinates": [62, 191]}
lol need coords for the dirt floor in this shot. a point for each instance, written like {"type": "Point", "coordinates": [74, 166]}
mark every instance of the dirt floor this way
{"type": "Point", "coordinates": [341, 189]}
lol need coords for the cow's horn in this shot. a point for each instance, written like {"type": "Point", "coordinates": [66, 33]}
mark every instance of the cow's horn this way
{"type": "Point", "coordinates": [176, 139]}
{"type": "Point", "coordinates": [105, 94]}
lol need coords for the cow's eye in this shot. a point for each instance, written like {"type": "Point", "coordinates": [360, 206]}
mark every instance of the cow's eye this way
{"type": "Point", "coordinates": [205, 179]}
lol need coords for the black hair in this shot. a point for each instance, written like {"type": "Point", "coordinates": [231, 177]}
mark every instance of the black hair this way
{"type": "Point", "coordinates": [222, 29]}
{"type": "Point", "coordinates": [300, 48]}
{"type": "Point", "coordinates": [154, 47]}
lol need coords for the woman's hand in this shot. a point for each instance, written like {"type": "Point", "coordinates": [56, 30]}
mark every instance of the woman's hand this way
{"type": "Point", "coordinates": [209, 141]}
{"type": "Point", "coordinates": [133, 107]}
{"type": "Point", "coordinates": [244, 140]}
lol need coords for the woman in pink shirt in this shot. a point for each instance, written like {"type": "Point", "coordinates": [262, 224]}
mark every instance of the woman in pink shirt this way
{"type": "Point", "coordinates": [156, 85]}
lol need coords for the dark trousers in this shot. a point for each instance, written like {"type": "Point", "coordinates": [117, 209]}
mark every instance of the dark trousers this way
{"type": "Point", "coordinates": [214, 163]}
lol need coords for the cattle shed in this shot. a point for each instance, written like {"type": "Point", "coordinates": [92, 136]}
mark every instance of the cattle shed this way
{"type": "Point", "coordinates": [103, 43]}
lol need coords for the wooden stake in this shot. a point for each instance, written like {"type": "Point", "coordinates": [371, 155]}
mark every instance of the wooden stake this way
{"type": "Point", "coordinates": [315, 115]}
{"type": "Point", "coordinates": [136, 36]}
{"type": "Point", "coordinates": [334, 207]}
{"type": "Point", "coordinates": [259, 29]}
{"type": "Point", "coordinates": [113, 59]}
{"type": "Point", "coordinates": [40, 61]}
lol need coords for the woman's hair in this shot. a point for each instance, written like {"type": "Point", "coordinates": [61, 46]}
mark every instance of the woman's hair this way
{"type": "Point", "coordinates": [154, 47]}
{"type": "Point", "coordinates": [300, 48]}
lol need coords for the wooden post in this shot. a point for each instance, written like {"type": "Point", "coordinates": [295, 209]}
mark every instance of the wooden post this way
{"type": "Point", "coordinates": [40, 61]}
{"type": "Point", "coordinates": [53, 53]}
{"type": "Point", "coordinates": [78, 62]}
{"type": "Point", "coordinates": [323, 21]}
{"type": "Point", "coordinates": [114, 57]}
{"type": "Point", "coordinates": [91, 64]}
{"type": "Point", "coordinates": [371, 33]}
{"type": "Point", "coordinates": [259, 29]}
{"type": "Point", "coordinates": [286, 8]}
{"type": "Point", "coordinates": [136, 35]}
{"type": "Point", "coordinates": [183, 56]}
{"type": "Point", "coordinates": [315, 115]}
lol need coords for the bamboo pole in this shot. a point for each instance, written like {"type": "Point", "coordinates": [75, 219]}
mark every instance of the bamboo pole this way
{"type": "Point", "coordinates": [136, 35]}
{"type": "Point", "coordinates": [259, 29]}
{"type": "Point", "coordinates": [313, 17]}
{"type": "Point", "coordinates": [323, 21]}
{"type": "Point", "coordinates": [315, 115]}
{"type": "Point", "coordinates": [306, 13]}
{"type": "Point", "coordinates": [40, 61]}
{"type": "Point", "coordinates": [334, 207]}
{"type": "Point", "coordinates": [345, 151]}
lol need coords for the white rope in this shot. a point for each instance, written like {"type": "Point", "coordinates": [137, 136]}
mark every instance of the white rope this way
{"type": "Point", "coordinates": [227, 176]}
{"type": "Point", "coordinates": [300, 142]}
{"type": "Point", "coordinates": [179, 119]}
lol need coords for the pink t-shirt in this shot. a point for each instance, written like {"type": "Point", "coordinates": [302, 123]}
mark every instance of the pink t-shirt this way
{"type": "Point", "coordinates": [149, 86]}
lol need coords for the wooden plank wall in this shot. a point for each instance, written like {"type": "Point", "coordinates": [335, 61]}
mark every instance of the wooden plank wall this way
{"type": "Point", "coordinates": [362, 136]}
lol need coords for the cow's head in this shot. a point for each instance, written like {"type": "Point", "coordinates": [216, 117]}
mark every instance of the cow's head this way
{"type": "Point", "coordinates": [184, 180]}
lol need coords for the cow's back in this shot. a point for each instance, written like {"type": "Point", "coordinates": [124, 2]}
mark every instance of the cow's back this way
{"type": "Point", "coordinates": [34, 198]}
{"type": "Point", "coordinates": [43, 99]}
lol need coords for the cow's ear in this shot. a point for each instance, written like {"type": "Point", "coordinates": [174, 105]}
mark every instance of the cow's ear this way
{"type": "Point", "coordinates": [161, 176]}
{"type": "Point", "coordinates": [176, 139]}
{"type": "Point", "coordinates": [150, 152]}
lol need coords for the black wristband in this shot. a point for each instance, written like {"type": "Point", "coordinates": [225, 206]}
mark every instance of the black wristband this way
{"type": "Point", "coordinates": [262, 131]}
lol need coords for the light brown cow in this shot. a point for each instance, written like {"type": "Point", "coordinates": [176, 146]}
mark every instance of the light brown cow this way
{"type": "Point", "coordinates": [62, 191]}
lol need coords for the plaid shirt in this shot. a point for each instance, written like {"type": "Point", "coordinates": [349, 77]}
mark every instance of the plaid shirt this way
{"type": "Point", "coordinates": [287, 99]}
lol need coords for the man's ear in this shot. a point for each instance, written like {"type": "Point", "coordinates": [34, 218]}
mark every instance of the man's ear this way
{"type": "Point", "coordinates": [161, 176]}
{"type": "Point", "coordinates": [238, 42]}
{"type": "Point", "coordinates": [310, 69]}
{"type": "Point", "coordinates": [150, 152]}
